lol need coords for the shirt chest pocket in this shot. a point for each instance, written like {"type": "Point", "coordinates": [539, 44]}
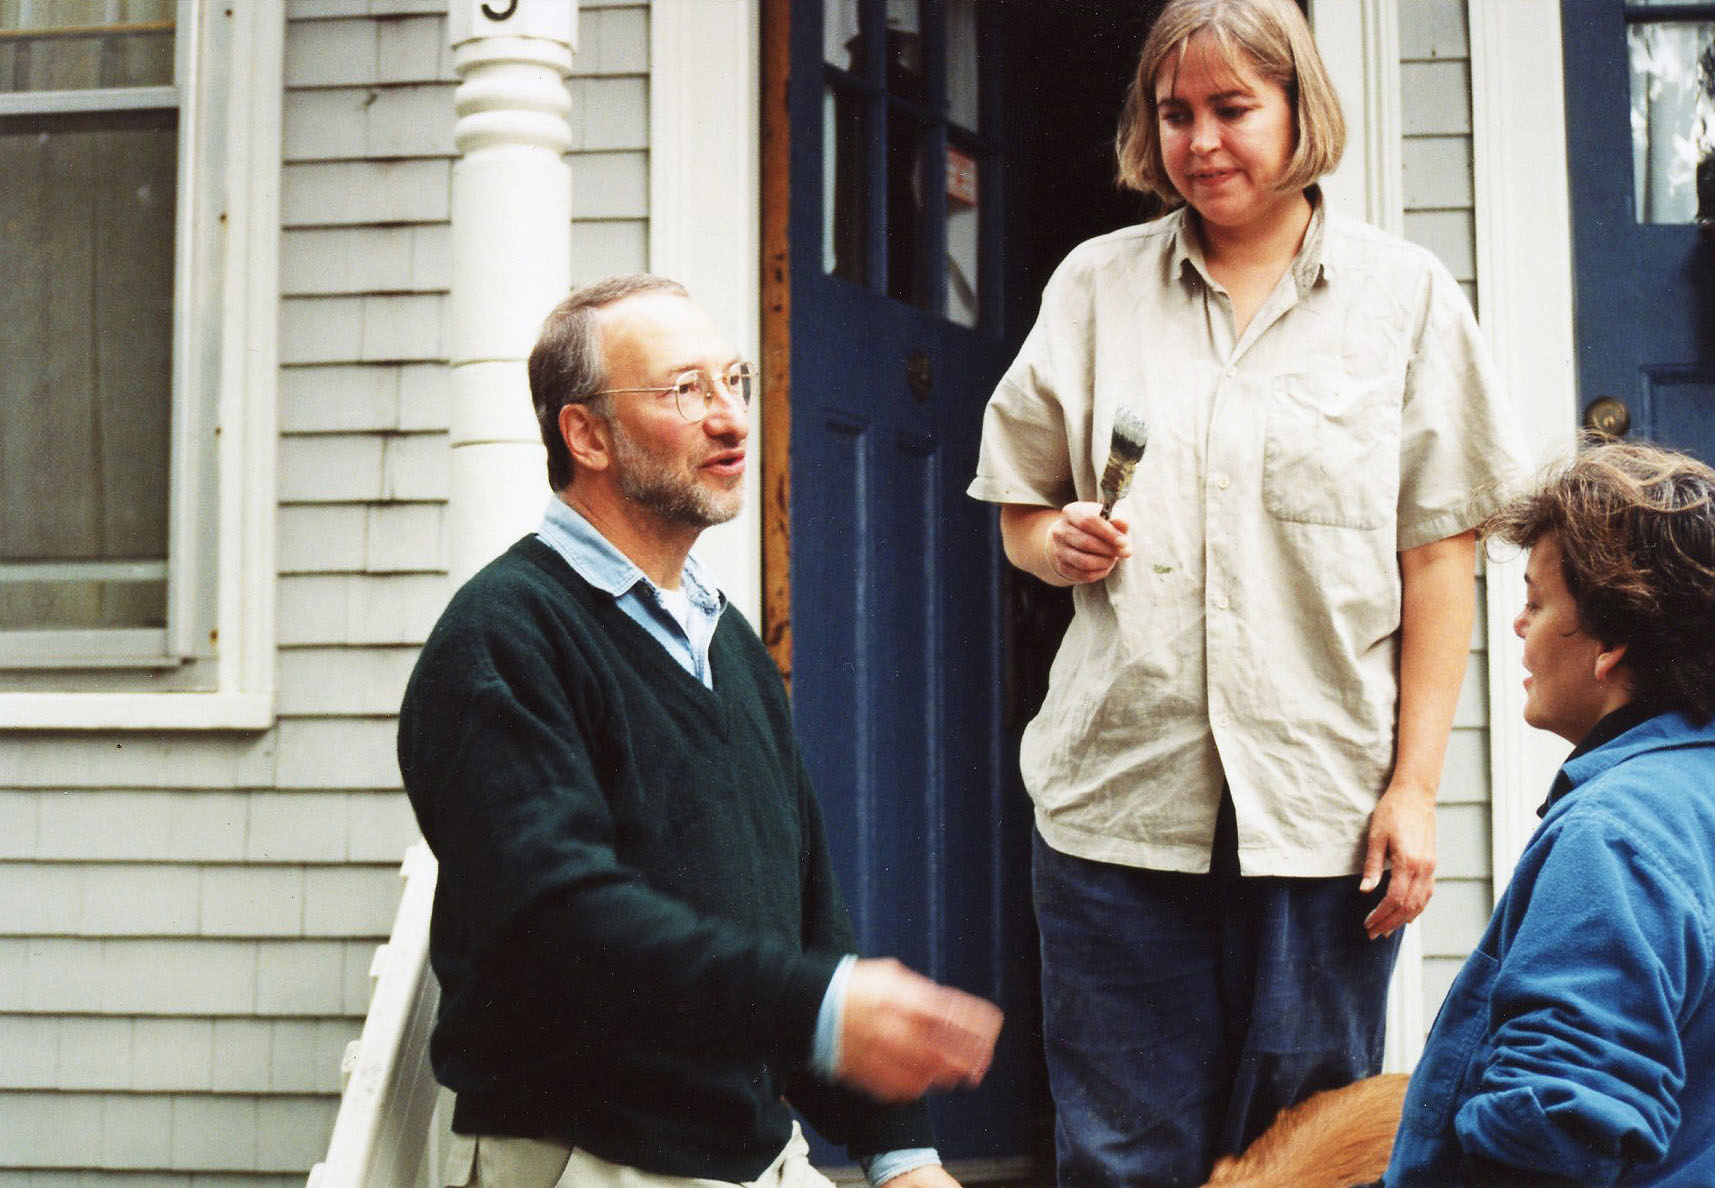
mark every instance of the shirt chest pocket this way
{"type": "Point", "coordinates": [1331, 451]}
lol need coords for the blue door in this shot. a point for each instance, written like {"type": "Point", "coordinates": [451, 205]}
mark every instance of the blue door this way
{"type": "Point", "coordinates": [896, 343]}
{"type": "Point", "coordinates": [1640, 107]}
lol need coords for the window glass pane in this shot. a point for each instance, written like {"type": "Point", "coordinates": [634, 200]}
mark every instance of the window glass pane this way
{"type": "Point", "coordinates": [80, 602]}
{"type": "Point", "coordinates": [841, 35]}
{"type": "Point", "coordinates": [905, 75]}
{"type": "Point", "coordinates": [964, 191]}
{"type": "Point", "coordinates": [86, 329]}
{"type": "Point", "coordinates": [73, 45]}
{"type": "Point", "coordinates": [905, 194]}
{"type": "Point", "coordinates": [1673, 120]}
{"type": "Point", "coordinates": [845, 194]}
{"type": "Point", "coordinates": [962, 63]}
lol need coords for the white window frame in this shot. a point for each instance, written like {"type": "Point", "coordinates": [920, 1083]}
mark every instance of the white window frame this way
{"type": "Point", "coordinates": [225, 375]}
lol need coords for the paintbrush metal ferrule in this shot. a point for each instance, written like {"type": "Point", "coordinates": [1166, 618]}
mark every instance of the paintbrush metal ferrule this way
{"type": "Point", "coordinates": [1126, 444]}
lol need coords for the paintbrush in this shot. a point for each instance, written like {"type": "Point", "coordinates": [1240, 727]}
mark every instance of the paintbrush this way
{"type": "Point", "coordinates": [1125, 449]}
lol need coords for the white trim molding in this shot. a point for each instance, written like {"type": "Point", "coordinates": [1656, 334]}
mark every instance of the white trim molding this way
{"type": "Point", "coordinates": [1359, 40]}
{"type": "Point", "coordinates": [705, 216]}
{"type": "Point", "coordinates": [1524, 277]}
{"type": "Point", "coordinates": [234, 241]}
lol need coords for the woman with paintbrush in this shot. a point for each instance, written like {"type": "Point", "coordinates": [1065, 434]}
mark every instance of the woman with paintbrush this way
{"type": "Point", "coordinates": [1235, 768]}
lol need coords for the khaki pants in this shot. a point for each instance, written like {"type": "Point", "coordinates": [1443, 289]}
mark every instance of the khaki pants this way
{"type": "Point", "coordinates": [488, 1162]}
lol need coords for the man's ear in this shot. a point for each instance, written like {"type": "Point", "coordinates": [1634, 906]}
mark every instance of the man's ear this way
{"type": "Point", "coordinates": [586, 436]}
{"type": "Point", "coordinates": [1608, 660]}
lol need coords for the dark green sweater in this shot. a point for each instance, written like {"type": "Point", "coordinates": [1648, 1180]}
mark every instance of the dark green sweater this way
{"type": "Point", "coordinates": [635, 921]}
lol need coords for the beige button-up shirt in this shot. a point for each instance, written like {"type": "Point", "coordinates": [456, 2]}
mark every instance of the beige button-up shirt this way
{"type": "Point", "coordinates": [1253, 635]}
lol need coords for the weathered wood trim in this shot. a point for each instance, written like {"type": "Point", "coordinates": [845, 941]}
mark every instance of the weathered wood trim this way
{"type": "Point", "coordinates": [776, 336]}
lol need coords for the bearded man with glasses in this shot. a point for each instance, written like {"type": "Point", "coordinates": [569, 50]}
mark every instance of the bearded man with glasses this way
{"type": "Point", "coordinates": [642, 952]}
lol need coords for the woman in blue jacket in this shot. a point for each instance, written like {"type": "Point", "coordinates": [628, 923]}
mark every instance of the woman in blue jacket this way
{"type": "Point", "coordinates": [1577, 1046]}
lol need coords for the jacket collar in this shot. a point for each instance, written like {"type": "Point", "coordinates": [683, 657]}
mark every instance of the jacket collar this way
{"type": "Point", "coordinates": [1624, 734]}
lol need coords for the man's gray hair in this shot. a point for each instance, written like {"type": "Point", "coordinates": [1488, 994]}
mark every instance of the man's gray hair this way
{"type": "Point", "coordinates": [566, 365]}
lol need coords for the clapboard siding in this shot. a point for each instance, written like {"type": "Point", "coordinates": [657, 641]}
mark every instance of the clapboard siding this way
{"type": "Point", "coordinates": [323, 609]}
{"type": "Point", "coordinates": [155, 900]}
{"type": "Point", "coordinates": [156, 1055]}
{"type": "Point", "coordinates": [167, 1132]}
{"type": "Point", "coordinates": [1435, 86]}
{"type": "Point", "coordinates": [330, 681]}
{"type": "Point", "coordinates": [348, 260]}
{"type": "Point", "coordinates": [363, 538]}
{"type": "Point", "coordinates": [358, 398]}
{"type": "Point", "coordinates": [192, 916]}
{"type": "Point", "coordinates": [168, 827]}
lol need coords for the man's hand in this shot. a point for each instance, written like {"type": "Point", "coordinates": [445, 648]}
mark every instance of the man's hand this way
{"type": "Point", "coordinates": [902, 1035]}
{"type": "Point", "coordinates": [931, 1176]}
{"type": "Point", "coordinates": [1402, 833]}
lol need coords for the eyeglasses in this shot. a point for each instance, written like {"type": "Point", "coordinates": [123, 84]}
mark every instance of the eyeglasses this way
{"type": "Point", "coordinates": [695, 393]}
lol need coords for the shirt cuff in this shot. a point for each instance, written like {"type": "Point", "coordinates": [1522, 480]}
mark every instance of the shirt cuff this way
{"type": "Point", "coordinates": [825, 1046]}
{"type": "Point", "coordinates": [878, 1169]}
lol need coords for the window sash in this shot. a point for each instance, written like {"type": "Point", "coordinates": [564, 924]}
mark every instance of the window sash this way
{"type": "Point", "coordinates": [188, 549]}
{"type": "Point", "coordinates": [226, 360]}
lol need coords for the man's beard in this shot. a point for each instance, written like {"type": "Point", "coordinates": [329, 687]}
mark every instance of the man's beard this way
{"type": "Point", "coordinates": [670, 494]}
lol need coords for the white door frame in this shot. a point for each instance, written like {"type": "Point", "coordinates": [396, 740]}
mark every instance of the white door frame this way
{"type": "Point", "coordinates": [705, 216]}
{"type": "Point", "coordinates": [1524, 278]}
{"type": "Point", "coordinates": [1524, 275]}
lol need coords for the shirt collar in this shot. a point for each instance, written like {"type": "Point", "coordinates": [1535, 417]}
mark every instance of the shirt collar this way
{"type": "Point", "coordinates": [595, 559]}
{"type": "Point", "coordinates": [1611, 726]}
{"type": "Point", "coordinates": [1308, 265]}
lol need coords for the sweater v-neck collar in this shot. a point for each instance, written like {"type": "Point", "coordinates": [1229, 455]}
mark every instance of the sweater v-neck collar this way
{"type": "Point", "coordinates": [632, 639]}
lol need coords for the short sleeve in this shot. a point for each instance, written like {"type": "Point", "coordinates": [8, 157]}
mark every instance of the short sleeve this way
{"type": "Point", "coordinates": [1460, 449]}
{"type": "Point", "coordinates": [1025, 454]}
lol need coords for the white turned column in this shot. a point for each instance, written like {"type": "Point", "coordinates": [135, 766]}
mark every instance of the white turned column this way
{"type": "Point", "coordinates": [511, 250]}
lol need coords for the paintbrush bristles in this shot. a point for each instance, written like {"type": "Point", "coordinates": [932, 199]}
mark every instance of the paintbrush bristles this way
{"type": "Point", "coordinates": [1125, 449]}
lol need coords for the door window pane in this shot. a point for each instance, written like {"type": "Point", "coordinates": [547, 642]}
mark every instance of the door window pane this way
{"type": "Point", "coordinates": [841, 35]}
{"type": "Point", "coordinates": [964, 194]}
{"type": "Point", "coordinates": [74, 45]}
{"type": "Point", "coordinates": [905, 194]}
{"type": "Point", "coordinates": [845, 194]}
{"type": "Point", "coordinates": [905, 67]}
{"type": "Point", "coordinates": [1673, 120]}
{"type": "Point", "coordinates": [962, 105]}
{"type": "Point", "coordinates": [87, 221]}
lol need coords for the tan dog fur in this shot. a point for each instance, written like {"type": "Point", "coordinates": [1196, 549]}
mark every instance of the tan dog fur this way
{"type": "Point", "coordinates": [1334, 1139]}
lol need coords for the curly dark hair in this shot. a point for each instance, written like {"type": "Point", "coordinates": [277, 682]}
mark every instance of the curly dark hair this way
{"type": "Point", "coordinates": [1636, 528]}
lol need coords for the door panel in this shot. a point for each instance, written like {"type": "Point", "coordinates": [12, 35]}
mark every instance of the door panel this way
{"type": "Point", "coordinates": [894, 571]}
{"type": "Point", "coordinates": [1639, 145]}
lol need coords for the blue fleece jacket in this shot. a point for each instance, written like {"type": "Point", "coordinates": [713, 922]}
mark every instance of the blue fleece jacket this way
{"type": "Point", "coordinates": [1578, 1042]}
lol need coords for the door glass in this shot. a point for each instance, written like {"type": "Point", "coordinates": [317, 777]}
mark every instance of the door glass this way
{"type": "Point", "coordinates": [905, 76]}
{"type": "Point", "coordinates": [905, 225]}
{"type": "Point", "coordinates": [841, 44]}
{"type": "Point", "coordinates": [964, 191]}
{"type": "Point", "coordinates": [962, 63]}
{"type": "Point", "coordinates": [1673, 120]}
{"type": "Point", "coordinates": [845, 198]}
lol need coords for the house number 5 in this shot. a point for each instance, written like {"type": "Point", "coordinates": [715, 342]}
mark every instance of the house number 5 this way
{"type": "Point", "coordinates": [503, 14]}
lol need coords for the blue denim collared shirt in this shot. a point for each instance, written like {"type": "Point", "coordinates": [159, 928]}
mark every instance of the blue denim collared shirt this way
{"type": "Point", "coordinates": [599, 563]}
{"type": "Point", "coordinates": [594, 558]}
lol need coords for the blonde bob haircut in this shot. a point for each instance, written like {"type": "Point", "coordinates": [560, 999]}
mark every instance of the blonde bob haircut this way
{"type": "Point", "coordinates": [1271, 37]}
